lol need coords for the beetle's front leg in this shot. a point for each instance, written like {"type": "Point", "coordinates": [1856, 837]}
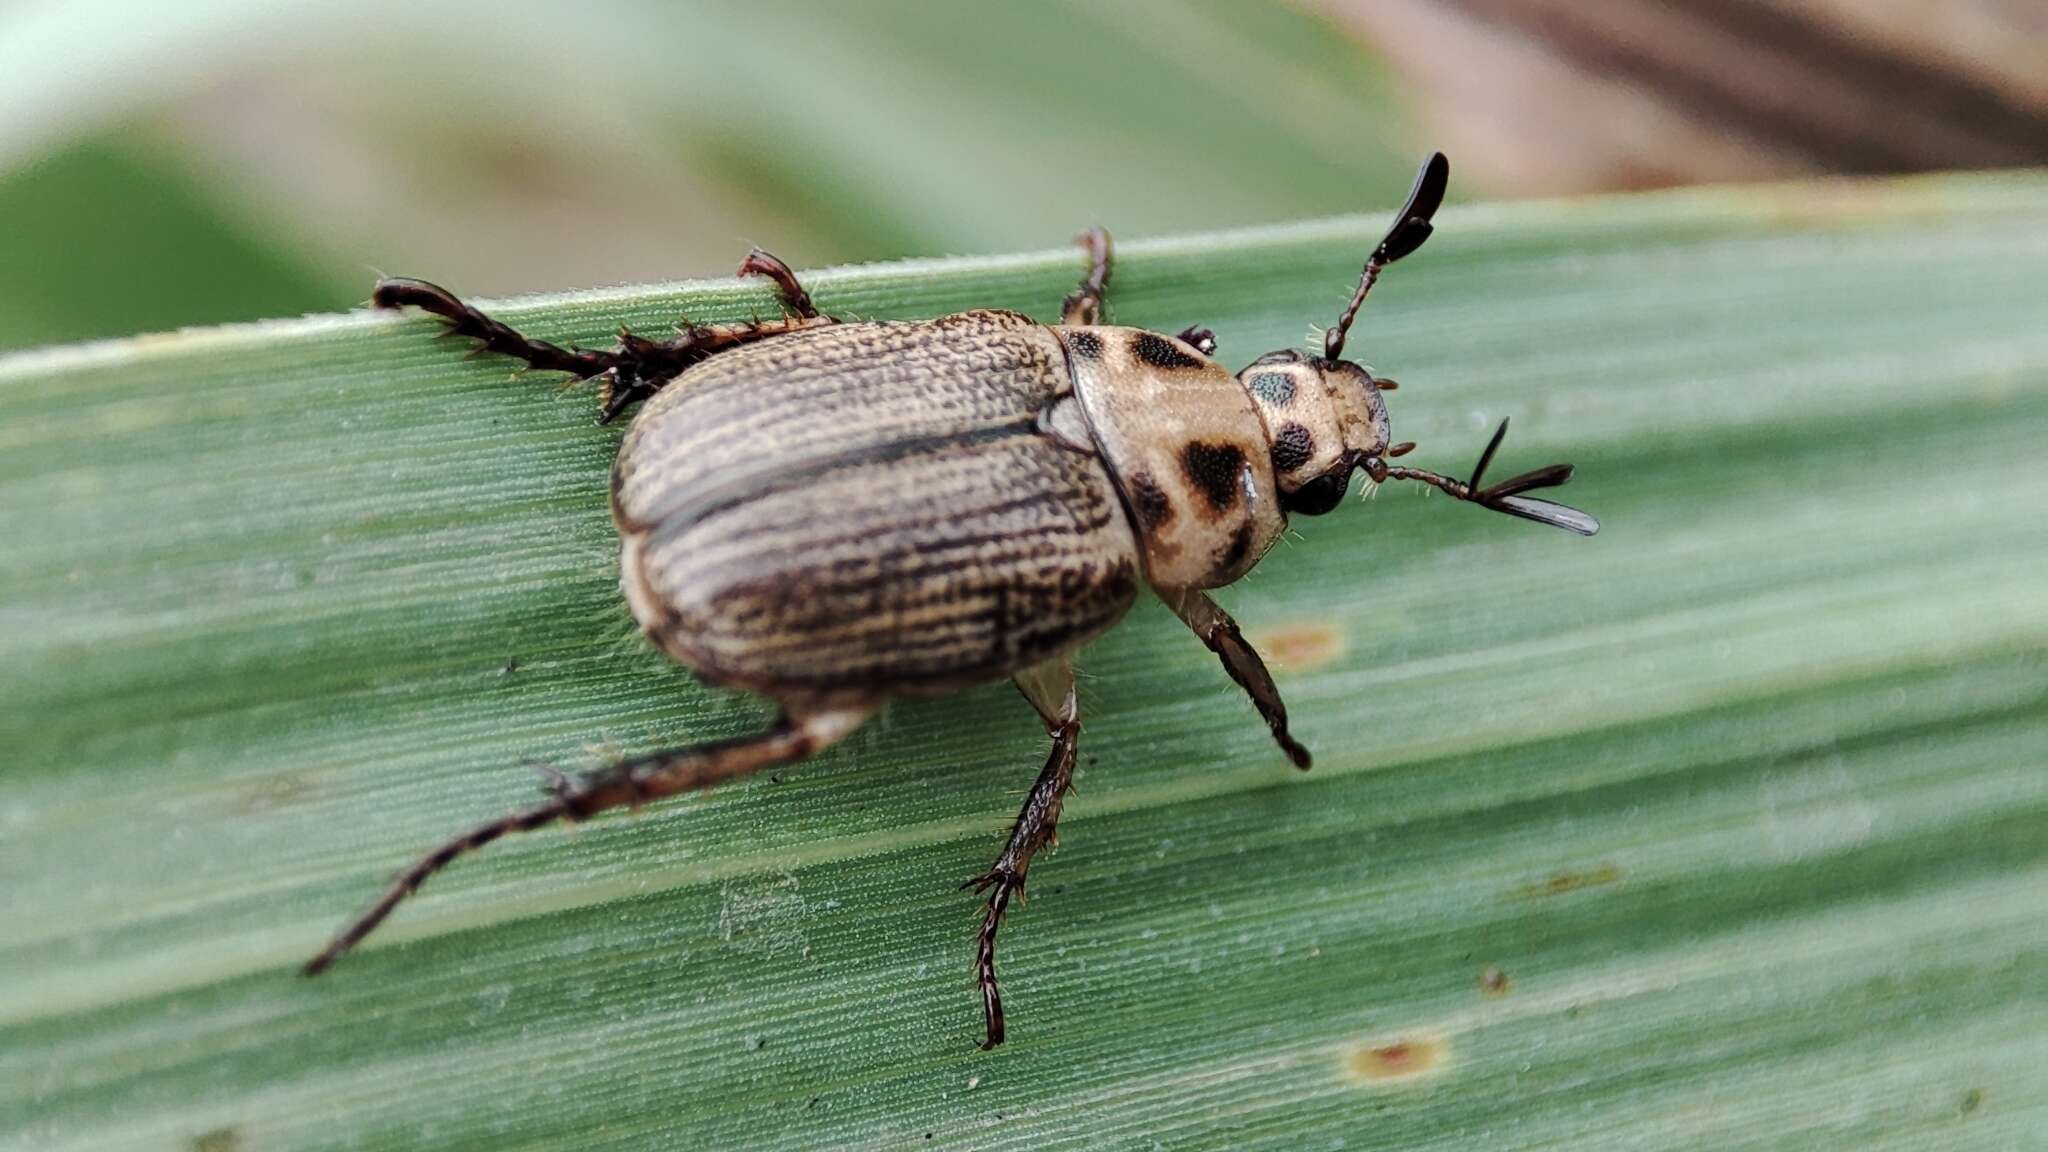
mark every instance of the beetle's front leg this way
{"type": "Point", "coordinates": [1050, 688]}
{"type": "Point", "coordinates": [1240, 659]}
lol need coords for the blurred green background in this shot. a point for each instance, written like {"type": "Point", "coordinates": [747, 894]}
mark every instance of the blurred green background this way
{"type": "Point", "coordinates": [225, 160]}
{"type": "Point", "coordinates": [214, 160]}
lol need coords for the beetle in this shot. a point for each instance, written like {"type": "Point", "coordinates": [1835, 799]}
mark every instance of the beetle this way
{"type": "Point", "coordinates": [831, 513]}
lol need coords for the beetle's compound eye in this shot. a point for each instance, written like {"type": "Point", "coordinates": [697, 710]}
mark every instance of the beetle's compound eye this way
{"type": "Point", "coordinates": [1319, 495]}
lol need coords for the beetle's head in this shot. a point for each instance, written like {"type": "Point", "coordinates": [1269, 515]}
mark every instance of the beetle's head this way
{"type": "Point", "coordinates": [1326, 416]}
{"type": "Point", "coordinates": [1324, 419]}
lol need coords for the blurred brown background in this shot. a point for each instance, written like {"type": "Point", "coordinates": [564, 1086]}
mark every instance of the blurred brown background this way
{"type": "Point", "coordinates": [1557, 96]}
{"type": "Point", "coordinates": [217, 160]}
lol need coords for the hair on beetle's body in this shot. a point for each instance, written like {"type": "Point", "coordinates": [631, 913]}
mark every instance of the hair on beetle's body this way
{"type": "Point", "coordinates": [830, 514]}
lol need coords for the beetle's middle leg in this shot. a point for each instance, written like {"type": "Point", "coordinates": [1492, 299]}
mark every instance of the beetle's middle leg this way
{"type": "Point", "coordinates": [1050, 688]}
{"type": "Point", "coordinates": [1084, 304]}
{"type": "Point", "coordinates": [802, 730]}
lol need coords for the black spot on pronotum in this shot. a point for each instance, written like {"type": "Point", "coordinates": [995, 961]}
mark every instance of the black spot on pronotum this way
{"type": "Point", "coordinates": [1240, 543]}
{"type": "Point", "coordinates": [1156, 350]}
{"type": "Point", "coordinates": [1275, 388]}
{"type": "Point", "coordinates": [1149, 501]}
{"type": "Point", "coordinates": [1216, 471]}
{"type": "Point", "coordinates": [1292, 447]}
{"type": "Point", "coordinates": [1086, 345]}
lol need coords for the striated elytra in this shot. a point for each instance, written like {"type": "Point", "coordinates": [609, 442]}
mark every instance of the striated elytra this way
{"type": "Point", "coordinates": [830, 514]}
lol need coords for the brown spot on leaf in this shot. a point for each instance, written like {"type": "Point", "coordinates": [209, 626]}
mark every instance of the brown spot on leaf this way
{"type": "Point", "coordinates": [1159, 352]}
{"type": "Point", "coordinates": [1216, 471]}
{"type": "Point", "coordinates": [1494, 981]}
{"type": "Point", "coordinates": [1404, 1059]}
{"type": "Point", "coordinates": [1301, 646]}
{"type": "Point", "coordinates": [1973, 1100]}
{"type": "Point", "coordinates": [1564, 882]}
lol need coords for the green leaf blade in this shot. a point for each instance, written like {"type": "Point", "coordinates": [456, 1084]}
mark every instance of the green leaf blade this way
{"type": "Point", "coordinates": [1745, 796]}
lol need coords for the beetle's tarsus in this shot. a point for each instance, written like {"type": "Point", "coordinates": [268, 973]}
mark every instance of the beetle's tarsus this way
{"type": "Point", "coordinates": [794, 297]}
{"type": "Point", "coordinates": [1050, 688]}
{"type": "Point", "coordinates": [795, 735]}
{"type": "Point", "coordinates": [1084, 304]}
{"type": "Point", "coordinates": [409, 881]}
{"type": "Point", "coordinates": [985, 965]}
{"type": "Point", "coordinates": [491, 336]}
{"type": "Point", "coordinates": [1033, 830]}
{"type": "Point", "coordinates": [636, 367]}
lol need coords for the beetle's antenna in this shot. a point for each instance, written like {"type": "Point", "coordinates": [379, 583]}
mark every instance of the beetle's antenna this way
{"type": "Point", "coordinates": [1505, 496]}
{"type": "Point", "coordinates": [1410, 229]}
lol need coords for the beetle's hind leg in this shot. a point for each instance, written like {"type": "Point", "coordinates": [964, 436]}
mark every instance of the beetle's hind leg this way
{"type": "Point", "coordinates": [623, 371]}
{"type": "Point", "coordinates": [1050, 688]}
{"type": "Point", "coordinates": [800, 731]}
{"type": "Point", "coordinates": [1084, 304]}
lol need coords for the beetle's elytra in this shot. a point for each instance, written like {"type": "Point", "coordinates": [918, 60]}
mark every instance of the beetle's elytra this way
{"type": "Point", "coordinates": [830, 514]}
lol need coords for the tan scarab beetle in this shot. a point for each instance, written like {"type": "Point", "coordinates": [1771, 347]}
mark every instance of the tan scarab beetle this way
{"type": "Point", "coordinates": [831, 514]}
